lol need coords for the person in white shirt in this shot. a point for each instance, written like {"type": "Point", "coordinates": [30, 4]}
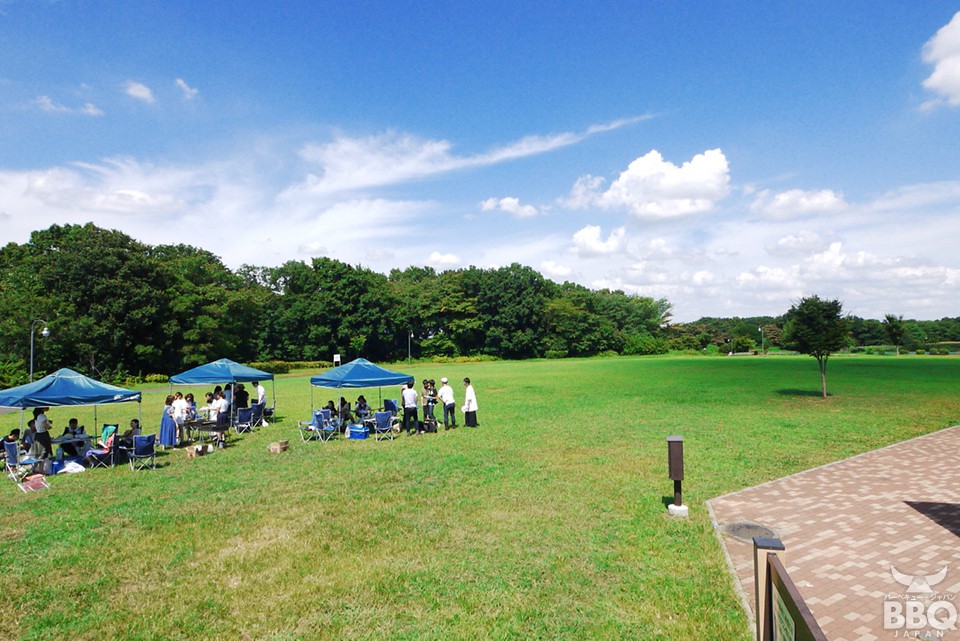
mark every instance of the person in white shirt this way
{"type": "Point", "coordinates": [43, 427]}
{"type": "Point", "coordinates": [261, 393]}
{"type": "Point", "coordinates": [469, 405]}
{"type": "Point", "coordinates": [180, 409]}
{"type": "Point", "coordinates": [409, 400]}
{"type": "Point", "coordinates": [445, 394]}
{"type": "Point", "coordinates": [223, 410]}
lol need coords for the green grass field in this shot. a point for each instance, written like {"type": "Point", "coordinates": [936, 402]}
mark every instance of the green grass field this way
{"type": "Point", "coordinates": [546, 522]}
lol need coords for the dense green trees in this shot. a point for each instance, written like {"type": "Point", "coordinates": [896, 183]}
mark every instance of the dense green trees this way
{"type": "Point", "coordinates": [116, 307]}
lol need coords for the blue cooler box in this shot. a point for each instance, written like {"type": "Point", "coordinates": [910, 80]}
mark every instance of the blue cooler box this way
{"type": "Point", "coordinates": [358, 432]}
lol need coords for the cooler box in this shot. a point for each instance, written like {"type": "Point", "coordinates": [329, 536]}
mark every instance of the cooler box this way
{"type": "Point", "coordinates": [358, 431]}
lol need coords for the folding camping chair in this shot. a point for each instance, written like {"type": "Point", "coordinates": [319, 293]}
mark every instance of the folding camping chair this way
{"type": "Point", "coordinates": [320, 428]}
{"type": "Point", "coordinates": [390, 406]}
{"type": "Point", "coordinates": [143, 453]}
{"type": "Point", "coordinates": [105, 457]}
{"type": "Point", "coordinates": [15, 467]}
{"type": "Point", "coordinates": [244, 420]}
{"type": "Point", "coordinates": [256, 415]}
{"type": "Point", "coordinates": [383, 427]}
{"type": "Point", "coordinates": [310, 430]}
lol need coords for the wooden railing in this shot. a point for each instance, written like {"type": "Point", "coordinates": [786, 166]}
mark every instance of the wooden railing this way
{"type": "Point", "coordinates": [781, 612]}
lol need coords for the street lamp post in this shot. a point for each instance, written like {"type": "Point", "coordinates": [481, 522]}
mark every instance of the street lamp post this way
{"type": "Point", "coordinates": [44, 332]}
{"type": "Point", "coordinates": [409, 353]}
{"type": "Point", "coordinates": [762, 350]}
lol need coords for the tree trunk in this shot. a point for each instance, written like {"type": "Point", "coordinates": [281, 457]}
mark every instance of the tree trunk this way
{"type": "Point", "coordinates": [822, 362]}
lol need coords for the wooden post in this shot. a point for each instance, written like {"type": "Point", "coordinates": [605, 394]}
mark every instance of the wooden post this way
{"type": "Point", "coordinates": [762, 546]}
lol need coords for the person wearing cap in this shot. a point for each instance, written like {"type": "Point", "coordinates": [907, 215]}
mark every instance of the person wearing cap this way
{"type": "Point", "coordinates": [445, 393]}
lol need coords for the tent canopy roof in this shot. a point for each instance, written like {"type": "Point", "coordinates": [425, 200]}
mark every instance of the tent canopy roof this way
{"type": "Point", "coordinates": [222, 371]}
{"type": "Point", "coordinates": [359, 373]}
{"type": "Point", "coordinates": [65, 387]}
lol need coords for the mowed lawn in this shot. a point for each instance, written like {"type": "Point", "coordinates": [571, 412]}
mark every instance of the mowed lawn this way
{"type": "Point", "coordinates": [546, 522]}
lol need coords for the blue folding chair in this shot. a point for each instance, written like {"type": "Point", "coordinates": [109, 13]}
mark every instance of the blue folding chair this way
{"type": "Point", "coordinates": [320, 428]}
{"type": "Point", "coordinates": [256, 415]}
{"type": "Point", "coordinates": [383, 427]}
{"type": "Point", "coordinates": [390, 406]}
{"type": "Point", "coordinates": [244, 422]}
{"type": "Point", "coordinates": [143, 453]}
{"type": "Point", "coordinates": [16, 469]}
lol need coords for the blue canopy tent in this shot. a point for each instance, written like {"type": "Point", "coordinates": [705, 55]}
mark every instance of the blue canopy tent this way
{"type": "Point", "coordinates": [359, 373]}
{"type": "Point", "coordinates": [67, 387]}
{"type": "Point", "coordinates": [223, 371]}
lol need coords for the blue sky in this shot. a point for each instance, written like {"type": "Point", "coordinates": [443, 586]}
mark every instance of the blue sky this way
{"type": "Point", "coordinates": [731, 157]}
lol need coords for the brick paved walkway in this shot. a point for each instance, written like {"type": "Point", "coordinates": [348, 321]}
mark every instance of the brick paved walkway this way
{"type": "Point", "coordinates": [845, 524]}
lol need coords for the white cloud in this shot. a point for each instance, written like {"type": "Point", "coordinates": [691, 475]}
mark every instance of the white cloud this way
{"type": "Point", "coordinates": [509, 205]}
{"type": "Point", "coordinates": [703, 278]}
{"type": "Point", "coordinates": [139, 91]}
{"type": "Point", "coordinates": [389, 158]}
{"type": "Point", "coordinates": [587, 242]}
{"type": "Point", "coordinates": [45, 103]}
{"type": "Point", "coordinates": [657, 248]}
{"type": "Point", "coordinates": [797, 202]}
{"type": "Point", "coordinates": [437, 259]}
{"type": "Point", "coordinates": [188, 92]}
{"type": "Point", "coordinates": [798, 244]}
{"type": "Point", "coordinates": [784, 281]}
{"type": "Point", "coordinates": [552, 268]}
{"type": "Point", "coordinates": [651, 187]}
{"type": "Point", "coordinates": [585, 192]}
{"type": "Point", "coordinates": [943, 52]}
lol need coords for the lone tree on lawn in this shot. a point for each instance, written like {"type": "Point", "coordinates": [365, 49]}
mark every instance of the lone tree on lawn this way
{"type": "Point", "coordinates": [894, 327]}
{"type": "Point", "coordinates": [817, 327]}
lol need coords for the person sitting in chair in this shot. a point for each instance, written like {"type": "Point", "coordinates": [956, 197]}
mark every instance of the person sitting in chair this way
{"type": "Point", "coordinates": [362, 408]}
{"type": "Point", "coordinates": [345, 414]}
{"type": "Point", "coordinates": [126, 439]}
{"type": "Point", "coordinates": [70, 449]}
{"type": "Point", "coordinates": [103, 447]}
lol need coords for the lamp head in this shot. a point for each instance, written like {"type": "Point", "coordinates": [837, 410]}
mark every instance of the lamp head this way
{"type": "Point", "coordinates": [45, 332]}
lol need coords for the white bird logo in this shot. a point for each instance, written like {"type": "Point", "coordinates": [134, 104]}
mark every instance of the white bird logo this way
{"type": "Point", "coordinates": [920, 583]}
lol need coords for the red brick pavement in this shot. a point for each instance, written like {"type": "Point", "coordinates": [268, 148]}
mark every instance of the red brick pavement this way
{"type": "Point", "coordinates": [845, 524]}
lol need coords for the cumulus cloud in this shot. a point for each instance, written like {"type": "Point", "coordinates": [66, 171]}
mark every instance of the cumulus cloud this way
{"type": "Point", "coordinates": [139, 91]}
{"type": "Point", "coordinates": [348, 163]}
{"type": "Point", "coordinates": [798, 244]}
{"type": "Point", "coordinates": [553, 268]}
{"type": "Point", "coordinates": [188, 92]}
{"type": "Point", "coordinates": [45, 103]}
{"type": "Point", "coordinates": [943, 52]}
{"type": "Point", "coordinates": [588, 244]}
{"type": "Point", "coordinates": [509, 205]}
{"type": "Point", "coordinates": [437, 259]}
{"type": "Point", "coordinates": [797, 202]}
{"type": "Point", "coordinates": [651, 187]}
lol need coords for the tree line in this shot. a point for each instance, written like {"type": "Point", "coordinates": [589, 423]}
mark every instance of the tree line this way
{"type": "Point", "coordinates": [117, 308]}
{"type": "Point", "coordinates": [757, 332]}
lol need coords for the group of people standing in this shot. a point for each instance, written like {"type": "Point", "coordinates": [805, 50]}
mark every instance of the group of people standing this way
{"type": "Point", "coordinates": [182, 408]}
{"type": "Point", "coordinates": [428, 398]}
